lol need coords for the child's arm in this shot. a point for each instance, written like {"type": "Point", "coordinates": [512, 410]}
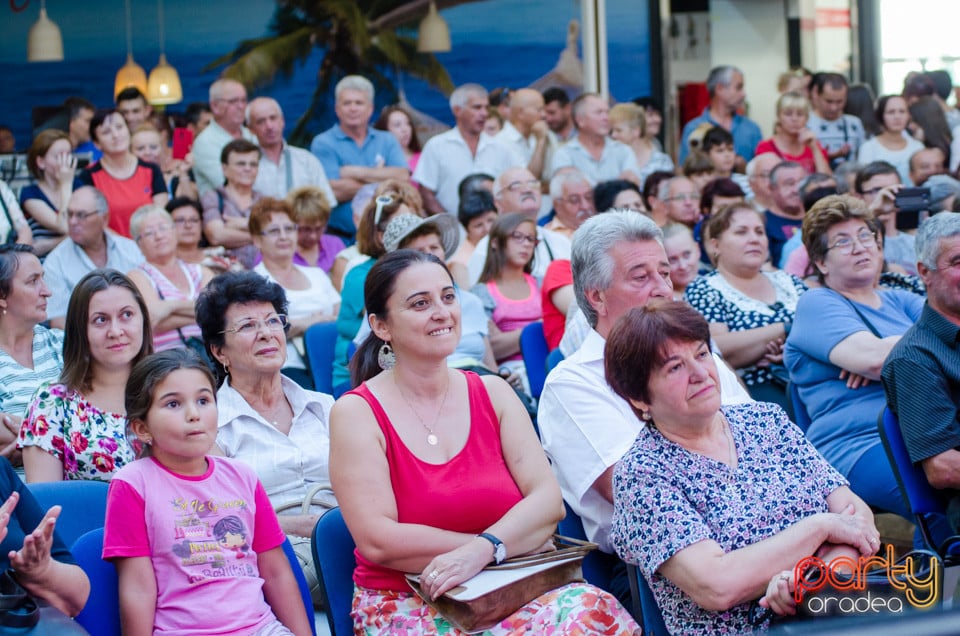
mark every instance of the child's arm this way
{"type": "Point", "coordinates": [281, 591]}
{"type": "Point", "coordinates": [138, 595]}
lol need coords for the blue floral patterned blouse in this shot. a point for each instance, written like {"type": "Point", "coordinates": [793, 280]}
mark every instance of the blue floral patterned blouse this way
{"type": "Point", "coordinates": [667, 498]}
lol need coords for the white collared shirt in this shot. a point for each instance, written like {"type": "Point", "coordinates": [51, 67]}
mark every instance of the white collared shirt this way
{"type": "Point", "coordinates": [446, 160]}
{"type": "Point", "coordinates": [586, 428]}
{"type": "Point", "coordinates": [303, 169]}
{"type": "Point", "coordinates": [287, 465]}
{"type": "Point", "coordinates": [614, 159]}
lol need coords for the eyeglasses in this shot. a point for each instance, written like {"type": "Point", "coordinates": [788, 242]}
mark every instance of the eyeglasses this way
{"type": "Point", "coordinates": [520, 237]}
{"type": "Point", "coordinates": [690, 196]}
{"type": "Point", "coordinates": [187, 221]}
{"type": "Point", "coordinates": [579, 199]}
{"type": "Point", "coordinates": [382, 201]}
{"type": "Point", "coordinates": [251, 326]}
{"type": "Point", "coordinates": [278, 230]}
{"type": "Point", "coordinates": [844, 244]}
{"type": "Point", "coordinates": [151, 234]}
{"type": "Point", "coordinates": [520, 186]}
{"type": "Point", "coordinates": [80, 215]}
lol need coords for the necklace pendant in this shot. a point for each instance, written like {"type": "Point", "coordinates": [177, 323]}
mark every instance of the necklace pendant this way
{"type": "Point", "coordinates": [432, 439]}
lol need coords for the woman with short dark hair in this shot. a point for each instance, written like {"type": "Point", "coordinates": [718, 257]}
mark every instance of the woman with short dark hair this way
{"type": "Point", "coordinates": [226, 209]}
{"type": "Point", "coordinates": [716, 505]}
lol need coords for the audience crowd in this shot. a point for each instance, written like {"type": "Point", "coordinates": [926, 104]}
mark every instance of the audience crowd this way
{"type": "Point", "coordinates": [700, 301]}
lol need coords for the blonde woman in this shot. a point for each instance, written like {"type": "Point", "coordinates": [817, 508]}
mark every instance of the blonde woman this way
{"type": "Point", "coordinates": [628, 125]}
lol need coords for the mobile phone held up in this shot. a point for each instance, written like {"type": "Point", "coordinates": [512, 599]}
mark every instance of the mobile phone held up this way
{"type": "Point", "coordinates": [182, 142]}
{"type": "Point", "coordinates": [910, 203]}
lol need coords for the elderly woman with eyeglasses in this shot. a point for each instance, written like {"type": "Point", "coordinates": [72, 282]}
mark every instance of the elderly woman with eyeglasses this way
{"type": "Point", "coordinates": [266, 419]}
{"type": "Point", "coordinates": [310, 294]}
{"type": "Point", "coordinates": [168, 285]}
{"type": "Point", "coordinates": [391, 198]}
{"type": "Point", "coordinates": [841, 336]}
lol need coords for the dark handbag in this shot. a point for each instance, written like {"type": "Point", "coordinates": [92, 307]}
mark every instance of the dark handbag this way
{"type": "Point", "coordinates": [11, 236]}
{"type": "Point", "coordinates": [500, 590]}
{"type": "Point", "coordinates": [17, 607]}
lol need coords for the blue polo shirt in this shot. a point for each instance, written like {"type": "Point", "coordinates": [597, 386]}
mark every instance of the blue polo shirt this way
{"type": "Point", "coordinates": [746, 134]}
{"type": "Point", "coordinates": [335, 149]}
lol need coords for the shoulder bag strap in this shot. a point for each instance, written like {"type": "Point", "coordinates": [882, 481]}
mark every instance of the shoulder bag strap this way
{"type": "Point", "coordinates": [869, 324]}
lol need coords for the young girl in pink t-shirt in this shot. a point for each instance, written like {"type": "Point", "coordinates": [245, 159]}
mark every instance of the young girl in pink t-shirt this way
{"type": "Point", "coordinates": [197, 546]}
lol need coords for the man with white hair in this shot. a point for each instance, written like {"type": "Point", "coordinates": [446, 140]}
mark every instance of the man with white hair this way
{"type": "Point", "coordinates": [282, 167]}
{"type": "Point", "coordinates": [758, 175]}
{"type": "Point", "coordinates": [228, 102]}
{"type": "Point", "coordinates": [517, 190]}
{"type": "Point", "coordinates": [572, 194]}
{"type": "Point", "coordinates": [353, 153]}
{"type": "Point", "coordinates": [592, 151]}
{"type": "Point", "coordinates": [464, 149]}
{"type": "Point", "coordinates": [725, 88]}
{"type": "Point", "coordinates": [618, 263]}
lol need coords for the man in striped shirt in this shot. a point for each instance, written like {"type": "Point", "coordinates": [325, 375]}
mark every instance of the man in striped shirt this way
{"type": "Point", "coordinates": [921, 376]}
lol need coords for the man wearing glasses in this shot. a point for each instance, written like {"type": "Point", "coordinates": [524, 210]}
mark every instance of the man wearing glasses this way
{"type": "Point", "coordinates": [517, 190]}
{"type": "Point", "coordinates": [877, 183]}
{"type": "Point", "coordinates": [88, 246]}
{"type": "Point", "coordinates": [228, 100]}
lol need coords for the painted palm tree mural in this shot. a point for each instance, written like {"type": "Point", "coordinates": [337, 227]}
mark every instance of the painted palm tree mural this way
{"type": "Point", "coordinates": [374, 38]}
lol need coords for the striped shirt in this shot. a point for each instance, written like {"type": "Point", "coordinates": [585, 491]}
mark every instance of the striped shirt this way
{"type": "Point", "coordinates": [18, 383]}
{"type": "Point", "coordinates": [921, 378]}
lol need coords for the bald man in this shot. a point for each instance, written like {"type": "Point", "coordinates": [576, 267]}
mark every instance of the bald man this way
{"type": "Point", "coordinates": [282, 167]}
{"type": "Point", "coordinates": [228, 103]}
{"type": "Point", "coordinates": [527, 131]}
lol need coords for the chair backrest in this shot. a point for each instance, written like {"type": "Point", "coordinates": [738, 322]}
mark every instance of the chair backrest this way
{"type": "Point", "coordinates": [533, 348]}
{"type": "Point", "coordinates": [554, 358]}
{"type": "Point", "coordinates": [651, 618]}
{"type": "Point", "coordinates": [83, 503]}
{"type": "Point", "coordinates": [333, 556]}
{"type": "Point", "coordinates": [301, 583]}
{"type": "Point", "coordinates": [920, 496]}
{"type": "Point", "coordinates": [101, 614]}
{"type": "Point", "coordinates": [597, 566]}
{"type": "Point", "coordinates": [319, 341]}
{"type": "Point", "coordinates": [800, 415]}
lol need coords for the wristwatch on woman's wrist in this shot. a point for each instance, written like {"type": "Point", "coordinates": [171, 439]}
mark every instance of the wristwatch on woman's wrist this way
{"type": "Point", "coordinates": [499, 550]}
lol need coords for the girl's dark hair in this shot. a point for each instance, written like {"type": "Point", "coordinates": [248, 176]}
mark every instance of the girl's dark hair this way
{"type": "Point", "coordinates": [927, 113]}
{"type": "Point", "coordinates": [384, 119]}
{"type": "Point", "coordinates": [10, 255]}
{"type": "Point", "coordinates": [473, 204]}
{"type": "Point", "coordinates": [636, 346]}
{"type": "Point", "coordinates": [232, 288]}
{"type": "Point", "coordinates": [606, 192]}
{"type": "Point", "coordinates": [77, 371]}
{"type": "Point", "coordinates": [860, 104]}
{"type": "Point", "coordinates": [496, 249]}
{"type": "Point", "coordinates": [379, 286]}
{"type": "Point", "coordinates": [150, 372]}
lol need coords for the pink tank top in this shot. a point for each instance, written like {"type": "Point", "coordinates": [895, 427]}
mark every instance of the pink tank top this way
{"type": "Point", "coordinates": [468, 494]}
{"type": "Point", "coordinates": [168, 291]}
{"type": "Point", "coordinates": [510, 314]}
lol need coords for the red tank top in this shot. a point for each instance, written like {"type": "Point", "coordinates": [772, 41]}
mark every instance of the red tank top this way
{"type": "Point", "coordinates": [467, 494]}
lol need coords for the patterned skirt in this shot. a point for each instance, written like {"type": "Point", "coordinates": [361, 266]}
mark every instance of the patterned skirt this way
{"type": "Point", "coordinates": [576, 608]}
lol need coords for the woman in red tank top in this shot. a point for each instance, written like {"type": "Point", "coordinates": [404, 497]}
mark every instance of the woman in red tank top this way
{"type": "Point", "coordinates": [425, 459]}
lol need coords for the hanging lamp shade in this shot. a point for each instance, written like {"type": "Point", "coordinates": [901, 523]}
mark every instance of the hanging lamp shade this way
{"type": "Point", "coordinates": [130, 74]}
{"type": "Point", "coordinates": [164, 87]}
{"type": "Point", "coordinates": [434, 36]}
{"type": "Point", "coordinates": [44, 42]}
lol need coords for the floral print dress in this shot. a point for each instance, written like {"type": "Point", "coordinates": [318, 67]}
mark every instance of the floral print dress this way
{"type": "Point", "coordinates": [90, 443]}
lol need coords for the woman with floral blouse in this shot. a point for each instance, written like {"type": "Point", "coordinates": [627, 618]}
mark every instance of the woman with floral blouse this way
{"type": "Point", "coordinates": [76, 428]}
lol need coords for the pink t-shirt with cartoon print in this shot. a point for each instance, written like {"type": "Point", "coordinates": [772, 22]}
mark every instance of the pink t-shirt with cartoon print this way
{"type": "Point", "coordinates": [202, 534]}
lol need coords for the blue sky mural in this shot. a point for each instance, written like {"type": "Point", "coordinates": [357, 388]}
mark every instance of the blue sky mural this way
{"type": "Point", "coordinates": [495, 42]}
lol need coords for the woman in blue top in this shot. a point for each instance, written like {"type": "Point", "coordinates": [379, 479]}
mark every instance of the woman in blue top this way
{"type": "Point", "coordinates": [841, 336]}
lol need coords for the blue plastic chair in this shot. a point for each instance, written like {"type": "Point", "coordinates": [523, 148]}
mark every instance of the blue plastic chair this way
{"type": "Point", "coordinates": [83, 503]}
{"type": "Point", "coordinates": [650, 617]}
{"type": "Point", "coordinates": [333, 556]}
{"type": "Point", "coordinates": [319, 341]}
{"type": "Point", "coordinates": [101, 614]}
{"type": "Point", "coordinates": [554, 358]}
{"type": "Point", "coordinates": [597, 566]}
{"type": "Point", "coordinates": [800, 415]}
{"type": "Point", "coordinates": [533, 349]}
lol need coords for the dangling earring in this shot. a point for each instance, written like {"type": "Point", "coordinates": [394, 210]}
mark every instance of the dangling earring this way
{"type": "Point", "coordinates": [386, 358]}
